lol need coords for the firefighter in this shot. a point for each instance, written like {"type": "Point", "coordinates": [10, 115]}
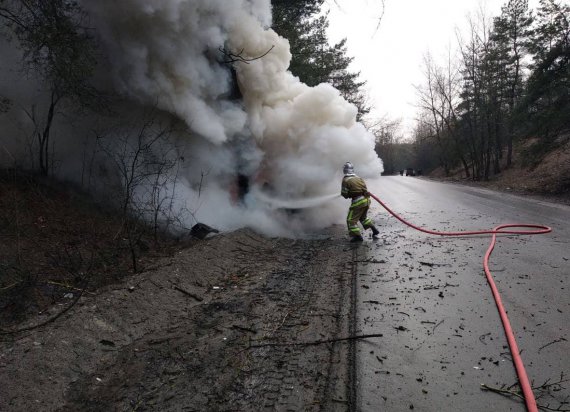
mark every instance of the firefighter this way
{"type": "Point", "coordinates": [353, 187]}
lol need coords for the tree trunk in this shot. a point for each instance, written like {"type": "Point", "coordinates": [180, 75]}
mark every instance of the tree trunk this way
{"type": "Point", "coordinates": [44, 137]}
{"type": "Point", "coordinates": [465, 167]}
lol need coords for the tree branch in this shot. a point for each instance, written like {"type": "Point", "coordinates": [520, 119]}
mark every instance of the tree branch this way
{"type": "Point", "coordinates": [317, 342]}
{"type": "Point", "coordinates": [232, 58]}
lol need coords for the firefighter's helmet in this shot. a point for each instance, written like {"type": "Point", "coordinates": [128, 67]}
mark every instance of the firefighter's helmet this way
{"type": "Point", "coordinates": [348, 168]}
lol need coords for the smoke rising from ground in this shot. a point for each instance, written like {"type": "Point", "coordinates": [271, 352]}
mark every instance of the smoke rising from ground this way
{"type": "Point", "coordinates": [290, 140]}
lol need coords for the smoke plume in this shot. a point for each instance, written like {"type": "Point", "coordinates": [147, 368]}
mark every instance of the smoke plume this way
{"type": "Point", "coordinates": [289, 140]}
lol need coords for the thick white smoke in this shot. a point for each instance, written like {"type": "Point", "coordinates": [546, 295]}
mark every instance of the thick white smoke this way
{"type": "Point", "coordinates": [167, 52]}
{"type": "Point", "coordinates": [291, 140]}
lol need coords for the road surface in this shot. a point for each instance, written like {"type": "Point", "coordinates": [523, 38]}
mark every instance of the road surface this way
{"type": "Point", "coordinates": [428, 296]}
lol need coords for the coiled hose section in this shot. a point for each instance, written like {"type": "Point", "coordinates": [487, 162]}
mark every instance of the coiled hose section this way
{"type": "Point", "coordinates": [524, 383]}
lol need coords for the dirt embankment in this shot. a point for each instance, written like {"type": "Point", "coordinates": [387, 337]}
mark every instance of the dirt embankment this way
{"type": "Point", "coordinates": [183, 334]}
{"type": "Point", "coordinates": [547, 176]}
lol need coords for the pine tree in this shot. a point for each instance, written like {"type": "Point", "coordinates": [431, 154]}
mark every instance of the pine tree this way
{"type": "Point", "coordinates": [314, 60]}
{"type": "Point", "coordinates": [511, 32]}
{"type": "Point", "coordinates": [547, 102]}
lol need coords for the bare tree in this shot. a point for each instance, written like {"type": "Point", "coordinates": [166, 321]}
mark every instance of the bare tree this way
{"type": "Point", "coordinates": [147, 165]}
{"type": "Point", "coordinates": [58, 48]}
{"type": "Point", "coordinates": [434, 100]}
{"type": "Point", "coordinates": [387, 134]}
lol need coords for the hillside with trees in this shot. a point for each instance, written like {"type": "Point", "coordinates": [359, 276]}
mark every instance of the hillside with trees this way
{"type": "Point", "coordinates": [502, 102]}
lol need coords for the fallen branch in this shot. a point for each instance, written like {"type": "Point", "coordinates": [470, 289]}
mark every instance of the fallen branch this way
{"type": "Point", "coordinates": [318, 342]}
{"type": "Point", "coordinates": [431, 264]}
{"type": "Point", "coordinates": [370, 261]}
{"type": "Point", "coordinates": [179, 289]}
{"type": "Point", "coordinates": [440, 322]}
{"type": "Point", "coordinates": [11, 285]}
{"type": "Point", "coordinates": [53, 318]}
{"type": "Point", "coordinates": [51, 282]}
{"type": "Point", "coordinates": [518, 395]}
{"type": "Point", "coordinates": [544, 387]}
{"type": "Point", "coordinates": [501, 391]}
{"type": "Point", "coordinates": [551, 343]}
{"type": "Point", "coordinates": [162, 340]}
{"type": "Point", "coordinates": [244, 329]}
{"type": "Point", "coordinates": [547, 385]}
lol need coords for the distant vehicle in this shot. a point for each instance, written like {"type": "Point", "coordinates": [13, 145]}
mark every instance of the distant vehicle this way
{"type": "Point", "coordinates": [410, 172]}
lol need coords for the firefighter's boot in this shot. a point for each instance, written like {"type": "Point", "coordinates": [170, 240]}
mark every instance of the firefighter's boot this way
{"type": "Point", "coordinates": [375, 232]}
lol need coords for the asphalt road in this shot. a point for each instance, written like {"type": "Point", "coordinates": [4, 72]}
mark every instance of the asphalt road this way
{"type": "Point", "coordinates": [428, 296]}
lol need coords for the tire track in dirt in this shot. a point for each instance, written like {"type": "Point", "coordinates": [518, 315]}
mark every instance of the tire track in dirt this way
{"type": "Point", "coordinates": [178, 337]}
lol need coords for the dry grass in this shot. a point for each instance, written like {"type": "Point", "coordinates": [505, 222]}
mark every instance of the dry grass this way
{"type": "Point", "coordinates": [54, 242]}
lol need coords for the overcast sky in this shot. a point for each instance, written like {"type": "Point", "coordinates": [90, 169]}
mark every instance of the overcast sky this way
{"type": "Point", "coordinates": [390, 59]}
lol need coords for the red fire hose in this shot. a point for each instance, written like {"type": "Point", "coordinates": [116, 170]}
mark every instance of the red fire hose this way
{"type": "Point", "coordinates": [538, 229]}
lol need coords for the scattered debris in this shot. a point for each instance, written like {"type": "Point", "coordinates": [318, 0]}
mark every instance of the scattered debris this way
{"type": "Point", "coordinates": [482, 337]}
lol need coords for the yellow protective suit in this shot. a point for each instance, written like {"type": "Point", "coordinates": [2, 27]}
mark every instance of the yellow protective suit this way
{"type": "Point", "coordinates": [353, 187]}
